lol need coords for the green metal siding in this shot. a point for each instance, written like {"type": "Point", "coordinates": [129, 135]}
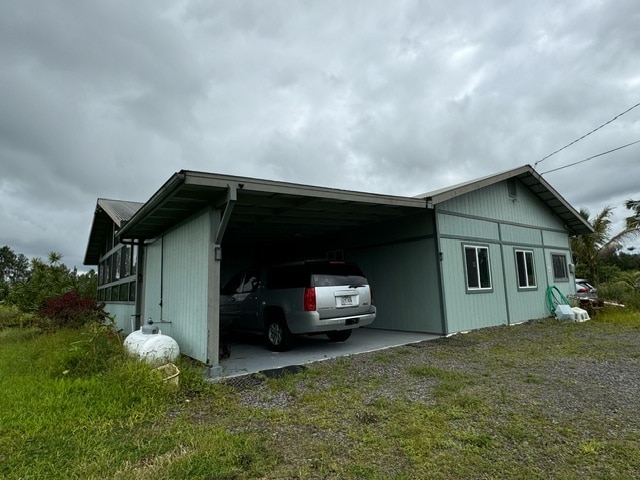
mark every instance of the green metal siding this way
{"type": "Point", "coordinates": [525, 304]}
{"type": "Point", "coordinates": [492, 218]}
{"type": "Point", "coordinates": [556, 239]}
{"type": "Point", "coordinates": [152, 279]}
{"type": "Point", "coordinates": [399, 258]}
{"type": "Point", "coordinates": [176, 275]}
{"type": "Point", "coordinates": [494, 202]}
{"type": "Point", "coordinates": [122, 313]}
{"type": "Point", "coordinates": [469, 311]}
{"type": "Point", "coordinates": [405, 286]}
{"type": "Point", "coordinates": [520, 235]}
{"type": "Point", "coordinates": [185, 285]}
{"type": "Point", "coordinates": [453, 225]}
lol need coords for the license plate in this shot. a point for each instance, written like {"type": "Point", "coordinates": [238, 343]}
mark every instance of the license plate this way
{"type": "Point", "coordinates": [346, 301]}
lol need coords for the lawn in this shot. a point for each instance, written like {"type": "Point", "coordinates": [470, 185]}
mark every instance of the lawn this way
{"type": "Point", "coordinates": [545, 399]}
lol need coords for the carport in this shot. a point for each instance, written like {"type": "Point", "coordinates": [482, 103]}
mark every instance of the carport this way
{"type": "Point", "coordinates": [215, 224]}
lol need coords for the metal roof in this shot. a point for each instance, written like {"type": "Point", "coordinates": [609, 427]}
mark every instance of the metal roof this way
{"type": "Point", "coordinates": [263, 209]}
{"type": "Point", "coordinates": [529, 178]}
{"type": "Point", "coordinates": [107, 213]}
{"type": "Point", "coordinates": [269, 211]}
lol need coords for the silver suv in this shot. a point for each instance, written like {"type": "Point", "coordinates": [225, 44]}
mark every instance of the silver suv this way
{"type": "Point", "coordinates": [308, 297]}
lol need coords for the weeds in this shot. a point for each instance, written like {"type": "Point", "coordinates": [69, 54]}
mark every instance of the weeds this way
{"type": "Point", "coordinates": [510, 402]}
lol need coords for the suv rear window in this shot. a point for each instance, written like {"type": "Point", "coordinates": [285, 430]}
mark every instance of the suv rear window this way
{"type": "Point", "coordinates": [335, 274]}
{"type": "Point", "coordinates": [314, 274]}
{"type": "Point", "coordinates": [288, 276]}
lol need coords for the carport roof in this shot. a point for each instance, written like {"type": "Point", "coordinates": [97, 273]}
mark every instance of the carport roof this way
{"type": "Point", "coordinates": [533, 181]}
{"type": "Point", "coordinates": [268, 209]}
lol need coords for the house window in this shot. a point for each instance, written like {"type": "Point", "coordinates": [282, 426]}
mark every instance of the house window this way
{"type": "Point", "coordinates": [117, 275]}
{"type": "Point", "coordinates": [477, 268]}
{"type": "Point", "coordinates": [525, 269]}
{"type": "Point", "coordinates": [560, 271]}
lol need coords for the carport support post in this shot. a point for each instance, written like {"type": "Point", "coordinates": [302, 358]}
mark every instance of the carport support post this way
{"type": "Point", "coordinates": [213, 297]}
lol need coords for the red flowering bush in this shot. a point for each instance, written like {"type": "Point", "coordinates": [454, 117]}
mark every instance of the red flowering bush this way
{"type": "Point", "coordinates": [71, 310]}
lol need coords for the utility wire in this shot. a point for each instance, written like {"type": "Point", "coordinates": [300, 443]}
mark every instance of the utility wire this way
{"type": "Point", "coordinates": [586, 135]}
{"type": "Point", "coordinates": [591, 158]}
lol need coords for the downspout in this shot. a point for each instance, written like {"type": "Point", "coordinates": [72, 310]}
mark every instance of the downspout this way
{"type": "Point", "coordinates": [139, 285]}
{"type": "Point", "coordinates": [161, 273]}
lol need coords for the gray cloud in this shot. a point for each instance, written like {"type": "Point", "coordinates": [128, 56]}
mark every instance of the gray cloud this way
{"type": "Point", "coordinates": [107, 99]}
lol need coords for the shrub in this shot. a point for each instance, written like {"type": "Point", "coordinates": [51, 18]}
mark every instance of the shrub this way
{"type": "Point", "coordinates": [11, 316]}
{"type": "Point", "coordinates": [100, 348]}
{"type": "Point", "coordinates": [620, 292]}
{"type": "Point", "coordinates": [71, 310]}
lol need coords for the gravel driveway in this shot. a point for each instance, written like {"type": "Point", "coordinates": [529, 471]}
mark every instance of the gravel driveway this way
{"type": "Point", "coordinates": [545, 394]}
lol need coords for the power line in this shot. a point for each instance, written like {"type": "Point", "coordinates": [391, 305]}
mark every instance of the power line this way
{"type": "Point", "coordinates": [590, 158]}
{"type": "Point", "coordinates": [585, 135]}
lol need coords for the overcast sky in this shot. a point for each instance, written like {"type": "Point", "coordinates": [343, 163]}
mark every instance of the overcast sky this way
{"type": "Point", "coordinates": [110, 98]}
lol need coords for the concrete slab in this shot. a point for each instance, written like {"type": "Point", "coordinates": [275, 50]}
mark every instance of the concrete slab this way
{"type": "Point", "coordinates": [249, 353]}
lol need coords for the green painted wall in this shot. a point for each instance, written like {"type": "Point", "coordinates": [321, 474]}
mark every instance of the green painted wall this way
{"type": "Point", "coordinates": [176, 274]}
{"type": "Point", "coordinates": [400, 260]}
{"type": "Point", "coordinates": [490, 217]}
{"type": "Point", "coordinates": [121, 312]}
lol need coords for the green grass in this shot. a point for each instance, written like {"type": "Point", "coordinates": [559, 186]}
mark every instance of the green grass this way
{"type": "Point", "coordinates": [112, 424]}
{"type": "Point", "coordinates": [472, 406]}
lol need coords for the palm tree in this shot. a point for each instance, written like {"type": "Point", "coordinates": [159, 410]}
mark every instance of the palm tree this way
{"type": "Point", "coordinates": [54, 258]}
{"type": "Point", "coordinates": [633, 222]}
{"type": "Point", "coordinates": [589, 249]}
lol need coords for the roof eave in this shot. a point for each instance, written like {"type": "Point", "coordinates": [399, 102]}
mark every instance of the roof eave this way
{"type": "Point", "coordinates": [575, 223]}
{"type": "Point", "coordinates": [155, 202]}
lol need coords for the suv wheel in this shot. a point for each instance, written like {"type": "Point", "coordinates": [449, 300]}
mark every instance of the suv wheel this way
{"type": "Point", "coordinates": [278, 335]}
{"type": "Point", "coordinates": [339, 336]}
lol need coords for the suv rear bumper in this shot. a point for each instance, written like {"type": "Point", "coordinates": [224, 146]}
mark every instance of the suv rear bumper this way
{"type": "Point", "coordinates": [310, 322]}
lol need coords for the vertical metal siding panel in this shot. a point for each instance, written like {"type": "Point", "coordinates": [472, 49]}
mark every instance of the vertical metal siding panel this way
{"type": "Point", "coordinates": [521, 235]}
{"type": "Point", "coordinates": [152, 281]}
{"type": "Point", "coordinates": [467, 227]}
{"type": "Point", "coordinates": [122, 315]}
{"type": "Point", "coordinates": [468, 311]}
{"type": "Point", "coordinates": [494, 202]}
{"type": "Point", "coordinates": [525, 304]}
{"type": "Point", "coordinates": [405, 285]}
{"type": "Point", "coordinates": [185, 285]}
{"type": "Point", "coordinates": [555, 239]}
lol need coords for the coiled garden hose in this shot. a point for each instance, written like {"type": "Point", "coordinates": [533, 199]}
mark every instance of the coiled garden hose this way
{"type": "Point", "coordinates": [555, 298]}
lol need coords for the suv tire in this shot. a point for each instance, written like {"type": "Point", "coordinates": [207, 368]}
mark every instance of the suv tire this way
{"type": "Point", "coordinates": [339, 335]}
{"type": "Point", "coordinates": [279, 337]}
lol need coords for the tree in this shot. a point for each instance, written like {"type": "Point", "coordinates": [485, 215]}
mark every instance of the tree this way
{"type": "Point", "coordinates": [13, 269]}
{"type": "Point", "coordinates": [589, 249]}
{"type": "Point", "coordinates": [633, 222]}
{"type": "Point", "coordinates": [48, 280]}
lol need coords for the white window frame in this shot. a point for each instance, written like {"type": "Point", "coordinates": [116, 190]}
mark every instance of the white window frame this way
{"type": "Point", "coordinates": [527, 274]}
{"type": "Point", "coordinates": [477, 274]}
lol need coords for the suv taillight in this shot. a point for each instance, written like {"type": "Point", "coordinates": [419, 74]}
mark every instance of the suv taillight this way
{"type": "Point", "coordinates": [309, 299]}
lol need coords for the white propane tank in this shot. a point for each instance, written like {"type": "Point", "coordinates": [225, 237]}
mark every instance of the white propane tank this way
{"type": "Point", "coordinates": [159, 349]}
{"type": "Point", "coordinates": [151, 345]}
{"type": "Point", "coordinates": [134, 341]}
